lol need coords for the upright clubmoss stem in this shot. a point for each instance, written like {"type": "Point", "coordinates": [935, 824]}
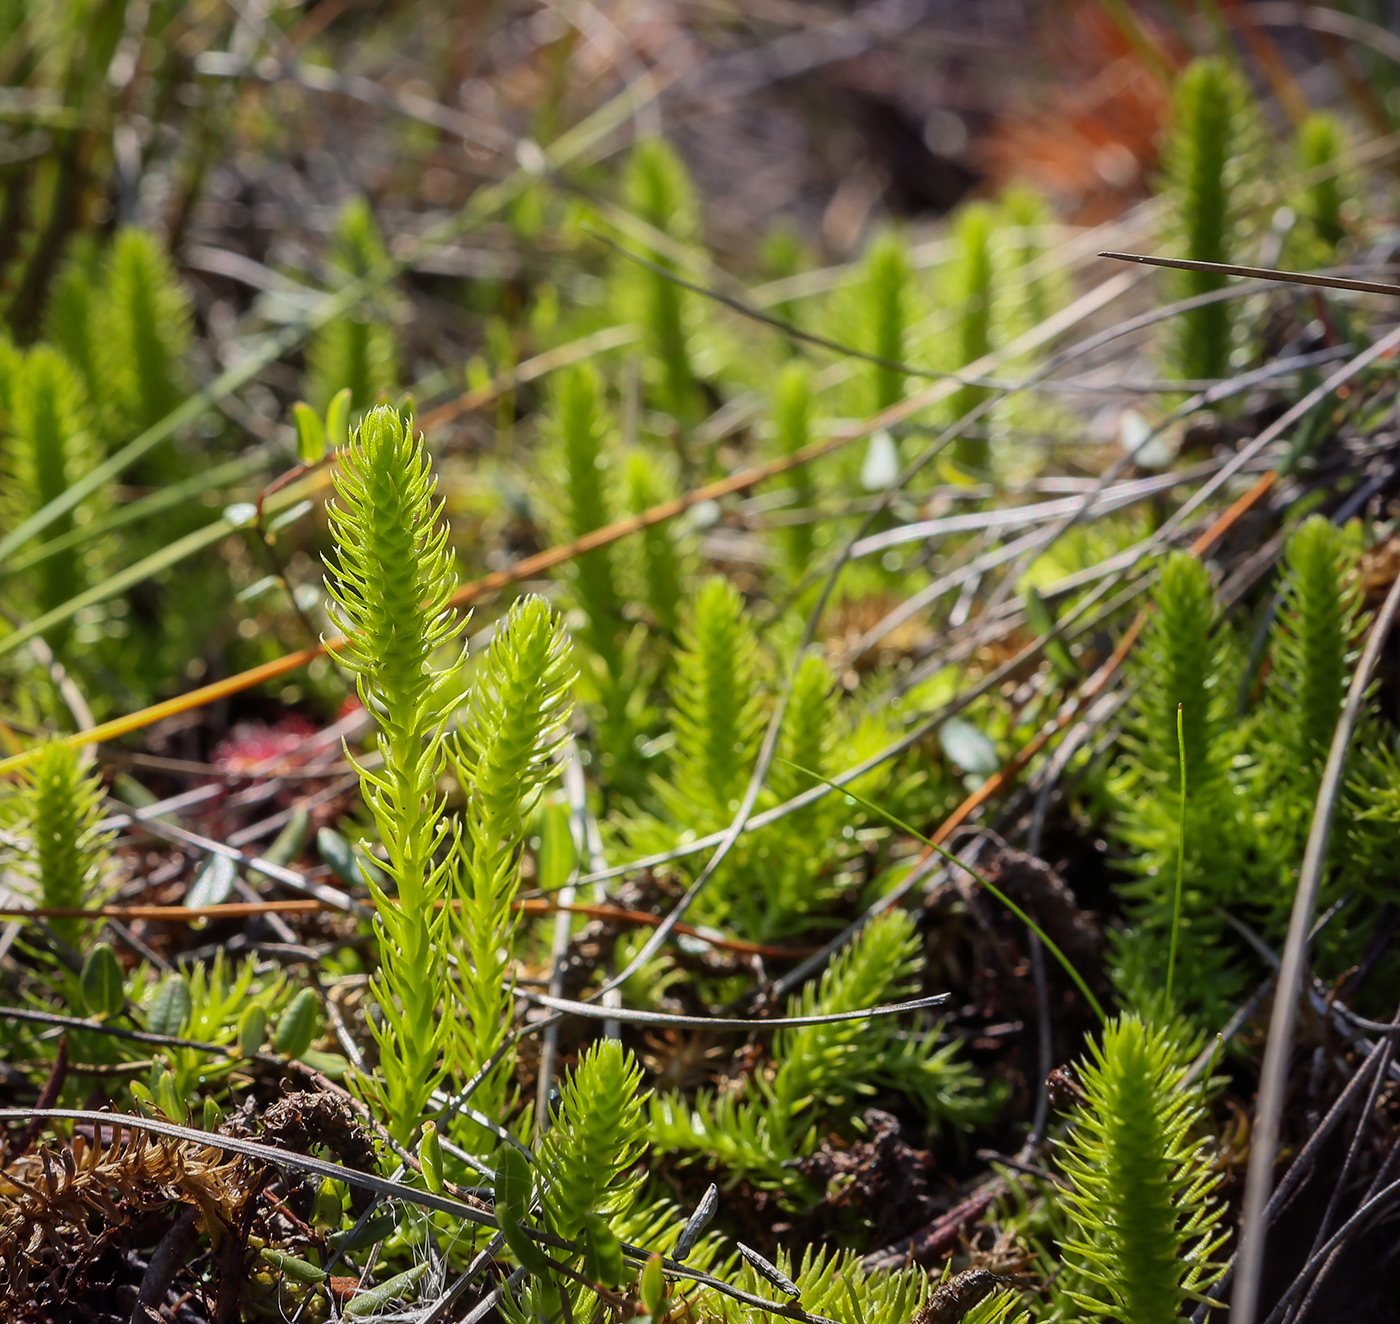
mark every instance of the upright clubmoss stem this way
{"type": "Point", "coordinates": [391, 580]}
{"type": "Point", "coordinates": [1180, 855]}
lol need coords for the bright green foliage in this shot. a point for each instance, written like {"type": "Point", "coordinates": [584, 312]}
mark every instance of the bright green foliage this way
{"type": "Point", "coordinates": [60, 56]}
{"type": "Point", "coordinates": [586, 1157]}
{"type": "Point", "coordinates": [208, 1006]}
{"type": "Point", "coordinates": [252, 1028]}
{"type": "Point", "coordinates": [103, 989]}
{"type": "Point", "coordinates": [1185, 657]}
{"type": "Point", "coordinates": [51, 815]}
{"type": "Point", "coordinates": [586, 1179]}
{"type": "Point", "coordinates": [47, 447]}
{"type": "Point", "coordinates": [358, 350]}
{"type": "Point", "coordinates": [1205, 164]}
{"type": "Point", "coordinates": [885, 279]}
{"type": "Point", "coordinates": [814, 1060]}
{"type": "Point", "coordinates": [657, 190]}
{"type": "Point", "coordinates": [10, 361]}
{"type": "Point", "coordinates": [578, 431]}
{"type": "Point", "coordinates": [513, 722]}
{"type": "Point", "coordinates": [511, 728]}
{"type": "Point", "coordinates": [658, 563]}
{"type": "Point", "coordinates": [169, 1007]}
{"type": "Point", "coordinates": [1041, 293]}
{"type": "Point", "coordinates": [972, 291]}
{"type": "Point", "coordinates": [821, 1070]}
{"type": "Point", "coordinates": [581, 497]}
{"type": "Point", "coordinates": [1372, 814]}
{"type": "Point", "coordinates": [298, 1025]}
{"type": "Point", "coordinates": [430, 1157]}
{"type": "Point", "coordinates": [1313, 638]}
{"type": "Point", "coordinates": [375, 1301]}
{"type": "Point", "coordinates": [1182, 661]}
{"type": "Point", "coordinates": [119, 322]}
{"type": "Point", "coordinates": [651, 1285]}
{"type": "Point", "coordinates": [792, 430]}
{"type": "Point", "coordinates": [514, 1196]}
{"type": "Point", "coordinates": [785, 873]}
{"type": "Point", "coordinates": [677, 673]}
{"type": "Point", "coordinates": [1322, 152]}
{"type": "Point", "coordinates": [1141, 1184]}
{"type": "Point", "coordinates": [823, 1067]}
{"type": "Point", "coordinates": [316, 435]}
{"type": "Point", "coordinates": [835, 1284]}
{"type": "Point", "coordinates": [391, 578]}
{"type": "Point", "coordinates": [142, 333]}
{"type": "Point", "coordinates": [71, 317]}
{"type": "Point", "coordinates": [716, 709]}
{"type": "Point", "coordinates": [784, 255]}
{"type": "Point", "coordinates": [809, 735]}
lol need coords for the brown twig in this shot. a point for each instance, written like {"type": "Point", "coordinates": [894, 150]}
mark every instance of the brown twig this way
{"type": "Point", "coordinates": [312, 906]}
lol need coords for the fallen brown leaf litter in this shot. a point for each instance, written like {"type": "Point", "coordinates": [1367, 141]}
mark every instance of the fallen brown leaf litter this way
{"type": "Point", "coordinates": [74, 1217]}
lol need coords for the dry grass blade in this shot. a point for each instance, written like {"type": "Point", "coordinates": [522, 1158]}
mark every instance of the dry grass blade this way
{"type": "Point", "coordinates": [1371, 1208]}
{"type": "Point", "coordinates": [1261, 273]}
{"type": "Point", "coordinates": [630, 1016]}
{"type": "Point", "coordinates": [58, 1020]}
{"type": "Point", "coordinates": [1269, 1108]}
